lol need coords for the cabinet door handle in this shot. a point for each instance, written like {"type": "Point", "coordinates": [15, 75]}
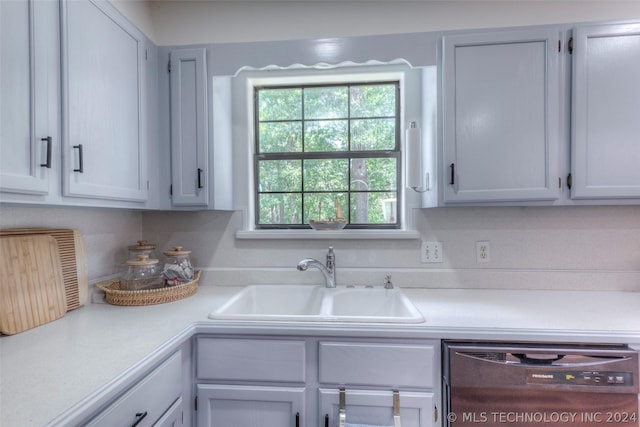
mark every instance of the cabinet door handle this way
{"type": "Point", "coordinates": [453, 173]}
{"type": "Point", "coordinates": [297, 419]}
{"type": "Point", "coordinates": [48, 163]}
{"type": "Point", "coordinates": [139, 417]}
{"type": "Point", "coordinates": [326, 420]}
{"type": "Point", "coordinates": [80, 168]}
{"type": "Point", "coordinates": [199, 177]}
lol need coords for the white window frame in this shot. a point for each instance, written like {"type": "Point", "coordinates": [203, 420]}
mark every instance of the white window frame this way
{"type": "Point", "coordinates": [243, 135]}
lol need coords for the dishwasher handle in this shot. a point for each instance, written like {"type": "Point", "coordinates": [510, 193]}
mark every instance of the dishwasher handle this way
{"type": "Point", "coordinates": [538, 359]}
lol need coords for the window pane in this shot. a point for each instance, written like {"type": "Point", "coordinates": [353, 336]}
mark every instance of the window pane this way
{"type": "Point", "coordinates": [279, 208]}
{"type": "Point", "coordinates": [373, 101]}
{"type": "Point", "coordinates": [279, 175]}
{"type": "Point", "coordinates": [325, 135]}
{"type": "Point", "coordinates": [280, 104]}
{"type": "Point", "coordinates": [323, 206]}
{"type": "Point", "coordinates": [280, 137]}
{"type": "Point", "coordinates": [373, 174]}
{"type": "Point", "coordinates": [326, 102]}
{"type": "Point", "coordinates": [374, 208]}
{"type": "Point", "coordinates": [326, 175]}
{"type": "Point", "coordinates": [373, 134]}
{"type": "Point", "coordinates": [309, 139]}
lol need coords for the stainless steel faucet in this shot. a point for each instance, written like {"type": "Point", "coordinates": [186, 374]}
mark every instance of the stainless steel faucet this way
{"type": "Point", "coordinates": [328, 270]}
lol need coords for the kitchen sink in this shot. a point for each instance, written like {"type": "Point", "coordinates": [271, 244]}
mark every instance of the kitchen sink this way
{"type": "Point", "coordinates": [366, 304]}
{"type": "Point", "coordinates": [272, 302]}
{"type": "Point", "coordinates": [309, 303]}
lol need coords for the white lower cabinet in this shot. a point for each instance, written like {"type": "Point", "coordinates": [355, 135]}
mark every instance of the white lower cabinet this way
{"type": "Point", "coordinates": [369, 373]}
{"type": "Point", "coordinates": [376, 407]}
{"type": "Point", "coordinates": [259, 382]}
{"type": "Point", "coordinates": [174, 416]}
{"type": "Point", "coordinates": [276, 381]}
{"type": "Point", "coordinates": [153, 401]}
{"type": "Point", "coordinates": [250, 406]}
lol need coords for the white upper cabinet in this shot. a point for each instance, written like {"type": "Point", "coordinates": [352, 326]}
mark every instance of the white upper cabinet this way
{"type": "Point", "coordinates": [500, 111]}
{"type": "Point", "coordinates": [189, 130]}
{"type": "Point", "coordinates": [29, 77]}
{"type": "Point", "coordinates": [104, 132]}
{"type": "Point", "coordinates": [605, 143]}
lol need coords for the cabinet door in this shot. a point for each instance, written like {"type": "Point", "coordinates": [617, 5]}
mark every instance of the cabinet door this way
{"type": "Point", "coordinates": [189, 148]}
{"type": "Point", "coordinates": [369, 407]}
{"type": "Point", "coordinates": [104, 150]}
{"type": "Point", "coordinates": [605, 141]}
{"type": "Point", "coordinates": [29, 87]}
{"type": "Point", "coordinates": [500, 125]}
{"type": "Point", "coordinates": [249, 406]}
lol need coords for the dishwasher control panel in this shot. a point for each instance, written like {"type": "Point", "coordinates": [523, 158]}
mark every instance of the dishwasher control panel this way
{"type": "Point", "coordinates": [587, 378]}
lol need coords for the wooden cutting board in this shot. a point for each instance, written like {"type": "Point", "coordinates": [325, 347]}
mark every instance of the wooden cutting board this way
{"type": "Point", "coordinates": [31, 282]}
{"type": "Point", "coordinates": [72, 257]}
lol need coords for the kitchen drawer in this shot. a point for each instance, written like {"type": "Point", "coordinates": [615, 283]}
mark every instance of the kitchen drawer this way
{"type": "Point", "coordinates": [154, 394]}
{"type": "Point", "coordinates": [377, 364]}
{"type": "Point", "coordinates": [251, 360]}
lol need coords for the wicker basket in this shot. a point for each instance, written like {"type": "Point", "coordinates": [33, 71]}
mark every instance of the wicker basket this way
{"type": "Point", "coordinates": [117, 296]}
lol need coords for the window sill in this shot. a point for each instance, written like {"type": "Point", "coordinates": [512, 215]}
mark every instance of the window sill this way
{"type": "Point", "coordinates": [328, 234]}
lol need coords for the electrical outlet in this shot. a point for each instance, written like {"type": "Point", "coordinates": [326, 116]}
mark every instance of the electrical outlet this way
{"type": "Point", "coordinates": [483, 251]}
{"type": "Point", "coordinates": [431, 252]}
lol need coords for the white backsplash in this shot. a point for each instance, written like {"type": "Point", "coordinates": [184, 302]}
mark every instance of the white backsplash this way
{"type": "Point", "coordinates": [106, 232]}
{"type": "Point", "coordinates": [582, 248]}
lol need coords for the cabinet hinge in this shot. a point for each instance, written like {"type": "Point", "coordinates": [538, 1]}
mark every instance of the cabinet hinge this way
{"type": "Point", "coordinates": [569, 181]}
{"type": "Point", "coordinates": [169, 66]}
{"type": "Point", "coordinates": [195, 404]}
{"type": "Point", "coordinates": [570, 45]}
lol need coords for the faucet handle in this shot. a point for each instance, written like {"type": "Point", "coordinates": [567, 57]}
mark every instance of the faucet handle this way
{"type": "Point", "coordinates": [387, 282]}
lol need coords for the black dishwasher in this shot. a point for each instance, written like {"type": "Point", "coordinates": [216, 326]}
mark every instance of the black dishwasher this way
{"type": "Point", "coordinates": [498, 384]}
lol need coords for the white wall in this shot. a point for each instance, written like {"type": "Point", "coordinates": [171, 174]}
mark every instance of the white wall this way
{"type": "Point", "coordinates": [190, 22]}
{"type": "Point", "coordinates": [581, 248]}
{"type": "Point", "coordinates": [106, 232]}
{"type": "Point", "coordinates": [139, 13]}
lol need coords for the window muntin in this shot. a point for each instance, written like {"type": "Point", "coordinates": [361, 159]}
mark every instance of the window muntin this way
{"type": "Point", "coordinates": [322, 145]}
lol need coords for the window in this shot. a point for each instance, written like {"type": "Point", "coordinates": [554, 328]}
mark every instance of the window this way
{"type": "Point", "coordinates": [326, 152]}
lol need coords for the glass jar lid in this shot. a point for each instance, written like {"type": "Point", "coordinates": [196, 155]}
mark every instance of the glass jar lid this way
{"type": "Point", "coordinates": [142, 245]}
{"type": "Point", "coordinates": [142, 261]}
{"type": "Point", "coordinates": [177, 251]}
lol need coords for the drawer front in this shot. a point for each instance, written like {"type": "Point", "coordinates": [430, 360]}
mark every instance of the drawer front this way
{"type": "Point", "coordinates": [251, 360]}
{"type": "Point", "coordinates": [377, 364]}
{"type": "Point", "coordinates": [154, 394]}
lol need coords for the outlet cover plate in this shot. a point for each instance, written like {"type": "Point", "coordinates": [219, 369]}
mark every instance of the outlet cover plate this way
{"type": "Point", "coordinates": [431, 252]}
{"type": "Point", "coordinates": [483, 252]}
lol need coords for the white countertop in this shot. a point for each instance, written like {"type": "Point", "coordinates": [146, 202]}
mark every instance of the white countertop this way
{"type": "Point", "coordinates": [49, 369]}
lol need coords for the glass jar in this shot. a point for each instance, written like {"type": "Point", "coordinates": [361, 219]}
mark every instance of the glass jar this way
{"type": "Point", "coordinates": [142, 248]}
{"type": "Point", "coordinates": [177, 267]}
{"type": "Point", "coordinates": [142, 273]}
